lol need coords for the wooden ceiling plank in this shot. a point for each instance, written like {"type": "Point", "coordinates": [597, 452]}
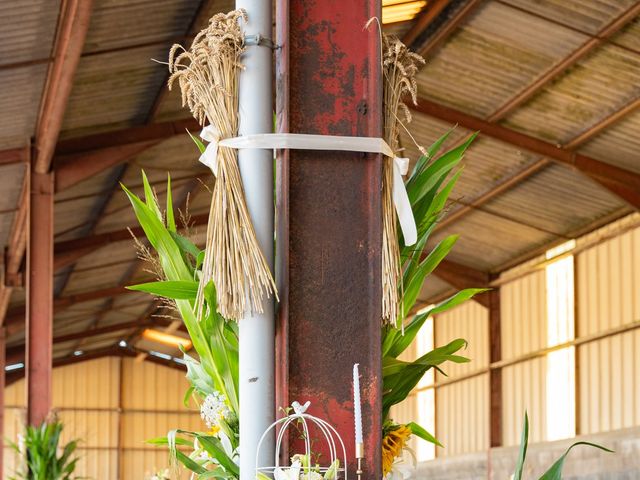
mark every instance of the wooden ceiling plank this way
{"type": "Point", "coordinates": [72, 31]}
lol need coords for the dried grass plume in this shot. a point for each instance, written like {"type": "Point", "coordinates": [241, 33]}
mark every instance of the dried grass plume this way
{"type": "Point", "coordinates": [399, 67]}
{"type": "Point", "coordinates": [207, 74]}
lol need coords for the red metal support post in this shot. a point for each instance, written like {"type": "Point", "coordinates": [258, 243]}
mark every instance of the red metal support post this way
{"type": "Point", "coordinates": [495, 374]}
{"type": "Point", "coordinates": [329, 229]}
{"type": "Point", "coordinates": [3, 364]}
{"type": "Point", "coordinates": [40, 298]}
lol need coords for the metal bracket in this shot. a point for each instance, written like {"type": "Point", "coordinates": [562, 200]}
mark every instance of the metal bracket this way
{"type": "Point", "coordinates": [259, 40]}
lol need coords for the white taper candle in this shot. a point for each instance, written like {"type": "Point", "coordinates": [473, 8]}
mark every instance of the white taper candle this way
{"type": "Point", "coordinates": [357, 406]}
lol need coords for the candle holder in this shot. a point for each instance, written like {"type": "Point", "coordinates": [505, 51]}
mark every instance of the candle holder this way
{"type": "Point", "coordinates": [359, 457]}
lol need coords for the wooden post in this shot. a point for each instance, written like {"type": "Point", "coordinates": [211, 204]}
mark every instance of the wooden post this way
{"type": "Point", "coordinates": [39, 298]}
{"type": "Point", "coordinates": [495, 374]}
{"type": "Point", "coordinates": [329, 230]}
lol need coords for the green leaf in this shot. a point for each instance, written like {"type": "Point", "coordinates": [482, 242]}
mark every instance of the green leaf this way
{"type": "Point", "coordinates": [201, 146]}
{"type": "Point", "coordinates": [522, 455]}
{"type": "Point", "coordinates": [175, 289]}
{"type": "Point", "coordinates": [150, 197]}
{"type": "Point", "coordinates": [171, 221]}
{"type": "Point", "coordinates": [555, 472]}
{"type": "Point", "coordinates": [424, 434]}
{"type": "Point", "coordinates": [214, 447]}
{"type": "Point", "coordinates": [189, 463]}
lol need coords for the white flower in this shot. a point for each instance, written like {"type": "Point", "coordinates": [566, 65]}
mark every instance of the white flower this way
{"type": "Point", "coordinates": [288, 473]}
{"type": "Point", "coordinates": [214, 408]}
{"type": "Point", "coordinates": [403, 467]}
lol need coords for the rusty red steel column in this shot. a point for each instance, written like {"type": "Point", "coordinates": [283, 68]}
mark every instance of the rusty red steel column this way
{"type": "Point", "coordinates": [39, 298]}
{"type": "Point", "coordinates": [3, 364]}
{"type": "Point", "coordinates": [329, 231]}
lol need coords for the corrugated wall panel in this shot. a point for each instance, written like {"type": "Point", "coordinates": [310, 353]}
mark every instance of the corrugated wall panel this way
{"type": "Point", "coordinates": [112, 443]}
{"type": "Point", "coordinates": [462, 425]}
{"type": "Point", "coordinates": [523, 315]}
{"type": "Point", "coordinates": [524, 389]}
{"type": "Point", "coordinates": [608, 290]}
{"type": "Point", "coordinates": [471, 322]}
{"type": "Point", "coordinates": [608, 287]}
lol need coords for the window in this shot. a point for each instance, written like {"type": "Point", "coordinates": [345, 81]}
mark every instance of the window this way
{"type": "Point", "coordinates": [560, 370]}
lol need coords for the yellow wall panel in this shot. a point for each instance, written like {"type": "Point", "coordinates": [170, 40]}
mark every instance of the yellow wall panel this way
{"type": "Point", "coordinates": [524, 389]}
{"type": "Point", "coordinates": [523, 315]}
{"type": "Point", "coordinates": [471, 322]}
{"type": "Point", "coordinates": [462, 420]}
{"type": "Point", "coordinates": [608, 284]}
{"type": "Point", "coordinates": [88, 398]}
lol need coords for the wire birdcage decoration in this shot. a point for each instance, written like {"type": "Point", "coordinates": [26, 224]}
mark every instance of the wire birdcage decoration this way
{"type": "Point", "coordinates": [330, 434]}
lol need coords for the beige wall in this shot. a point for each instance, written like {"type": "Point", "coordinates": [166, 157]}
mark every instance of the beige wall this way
{"type": "Point", "coordinates": [606, 371]}
{"type": "Point", "coordinates": [113, 405]}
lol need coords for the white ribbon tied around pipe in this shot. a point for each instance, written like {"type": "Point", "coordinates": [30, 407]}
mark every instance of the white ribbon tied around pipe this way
{"type": "Point", "coordinates": [299, 141]}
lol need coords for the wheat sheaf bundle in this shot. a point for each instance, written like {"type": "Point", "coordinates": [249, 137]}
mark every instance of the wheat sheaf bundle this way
{"type": "Point", "coordinates": [399, 67]}
{"type": "Point", "coordinates": [208, 77]}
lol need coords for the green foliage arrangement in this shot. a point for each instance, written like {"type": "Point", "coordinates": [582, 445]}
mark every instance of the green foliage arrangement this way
{"type": "Point", "coordinates": [43, 456]}
{"type": "Point", "coordinates": [214, 375]}
{"type": "Point", "coordinates": [555, 472]}
{"type": "Point", "coordinates": [429, 186]}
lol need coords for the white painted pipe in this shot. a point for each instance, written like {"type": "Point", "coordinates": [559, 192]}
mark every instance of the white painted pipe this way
{"type": "Point", "coordinates": [257, 332]}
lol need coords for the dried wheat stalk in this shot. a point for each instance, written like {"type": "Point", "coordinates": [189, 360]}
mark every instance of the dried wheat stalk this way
{"type": "Point", "coordinates": [400, 67]}
{"type": "Point", "coordinates": [208, 77]}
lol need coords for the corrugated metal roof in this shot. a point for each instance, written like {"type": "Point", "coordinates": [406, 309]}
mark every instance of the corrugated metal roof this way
{"type": "Point", "coordinates": [496, 54]}
{"type": "Point", "coordinates": [619, 144]}
{"type": "Point", "coordinates": [28, 29]}
{"type": "Point", "coordinates": [594, 88]}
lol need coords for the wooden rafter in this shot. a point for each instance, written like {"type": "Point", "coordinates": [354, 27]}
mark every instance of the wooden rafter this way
{"type": "Point", "coordinates": [457, 19]}
{"type": "Point", "coordinates": [422, 22]}
{"type": "Point", "coordinates": [72, 31]}
{"type": "Point", "coordinates": [623, 183]}
{"type": "Point", "coordinates": [462, 276]}
{"type": "Point", "coordinates": [73, 169]}
{"type": "Point", "coordinates": [112, 351]}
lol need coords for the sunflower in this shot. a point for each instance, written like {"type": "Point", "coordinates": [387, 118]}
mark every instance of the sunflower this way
{"type": "Point", "coordinates": [394, 439]}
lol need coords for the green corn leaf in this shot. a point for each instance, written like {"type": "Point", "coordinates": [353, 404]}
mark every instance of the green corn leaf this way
{"type": "Point", "coordinates": [423, 434]}
{"type": "Point", "coordinates": [432, 151]}
{"type": "Point", "coordinates": [555, 472]}
{"type": "Point", "coordinates": [201, 146]}
{"type": "Point", "coordinates": [214, 447]}
{"type": "Point", "coordinates": [150, 197]}
{"type": "Point", "coordinates": [189, 463]}
{"type": "Point", "coordinates": [165, 441]}
{"type": "Point", "coordinates": [522, 455]}
{"type": "Point", "coordinates": [414, 284]}
{"type": "Point", "coordinates": [175, 289]}
{"type": "Point", "coordinates": [427, 179]}
{"type": "Point", "coordinates": [171, 221]}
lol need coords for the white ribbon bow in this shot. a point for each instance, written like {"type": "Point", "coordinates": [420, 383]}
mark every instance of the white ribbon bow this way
{"type": "Point", "coordinates": [301, 141]}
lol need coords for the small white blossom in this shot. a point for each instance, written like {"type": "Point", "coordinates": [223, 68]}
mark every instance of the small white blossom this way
{"type": "Point", "coordinates": [214, 408]}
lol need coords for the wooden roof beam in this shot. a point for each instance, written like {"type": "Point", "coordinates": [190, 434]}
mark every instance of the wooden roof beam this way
{"type": "Point", "coordinates": [72, 31]}
{"type": "Point", "coordinates": [112, 351]}
{"type": "Point", "coordinates": [462, 276]}
{"type": "Point", "coordinates": [426, 18]}
{"type": "Point", "coordinates": [621, 182]}
{"type": "Point", "coordinates": [73, 169]}
{"type": "Point", "coordinates": [559, 68]}
{"type": "Point", "coordinates": [146, 133]}
{"type": "Point", "coordinates": [458, 18]}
